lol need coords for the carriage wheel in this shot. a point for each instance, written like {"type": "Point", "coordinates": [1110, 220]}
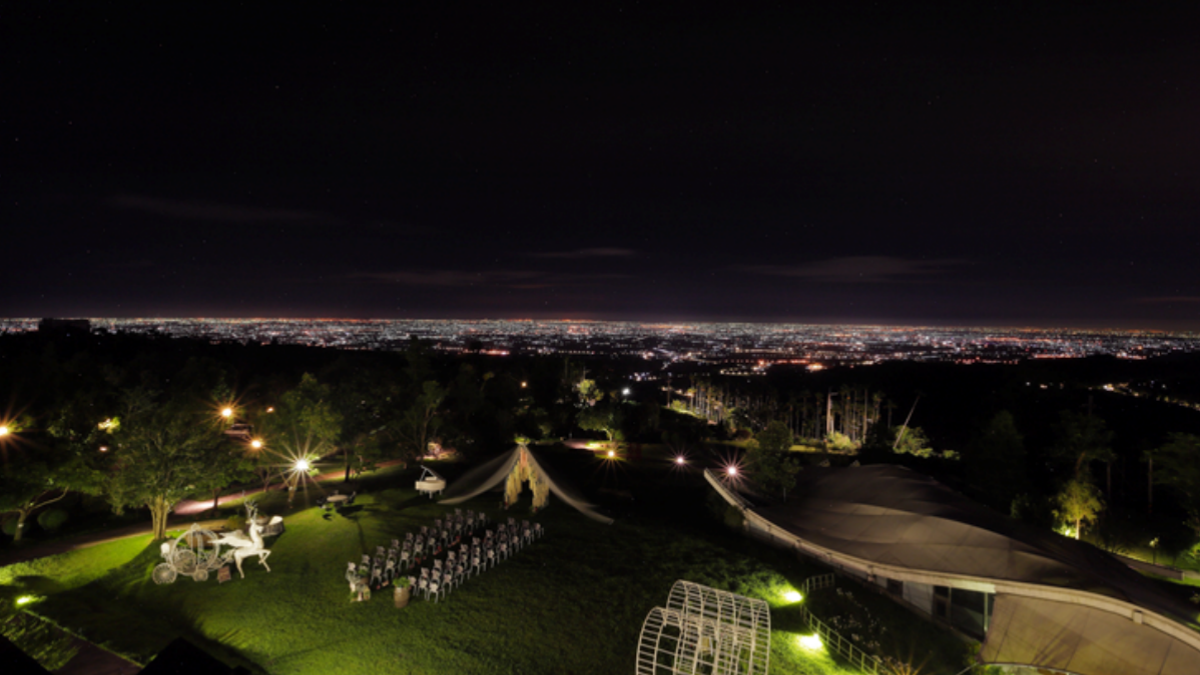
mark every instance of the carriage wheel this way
{"type": "Point", "coordinates": [185, 561]}
{"type": "Point", "coordinates": [200, 574]}
{"type": "Point", "coordinates": [163, 574]}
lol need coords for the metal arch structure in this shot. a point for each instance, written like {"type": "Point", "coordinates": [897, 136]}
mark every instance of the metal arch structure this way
{"type": "Point", "coordinates": [705, 630]}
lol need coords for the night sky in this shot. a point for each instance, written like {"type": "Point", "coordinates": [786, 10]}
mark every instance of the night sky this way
{"type": "Point", "coordinates": [962, 163]}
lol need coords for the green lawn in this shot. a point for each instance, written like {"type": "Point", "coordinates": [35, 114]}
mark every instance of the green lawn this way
{"type": "Point", "coordinates": [572, 602]}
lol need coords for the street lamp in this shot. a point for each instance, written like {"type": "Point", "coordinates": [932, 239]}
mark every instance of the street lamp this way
{"type": "Point", "coordinates": [226, 412]}
{"type": "Point", "coordinates": [3, 431]}
{"type": "Point", "coordinates": [302, 466]}
{"type": "Point", "coordinates": [256, 444]}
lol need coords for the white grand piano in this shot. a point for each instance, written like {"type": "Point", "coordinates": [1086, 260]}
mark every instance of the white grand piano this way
{"type": "Point", "coordinates": [430, 482]}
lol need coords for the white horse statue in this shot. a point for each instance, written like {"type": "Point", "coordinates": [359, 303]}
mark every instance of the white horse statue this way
{"type": "Point", "coordinates": [242, 547]}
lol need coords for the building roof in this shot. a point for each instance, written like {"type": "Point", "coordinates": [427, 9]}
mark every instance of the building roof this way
{"type": "Point", "coordinates": [891, 515]}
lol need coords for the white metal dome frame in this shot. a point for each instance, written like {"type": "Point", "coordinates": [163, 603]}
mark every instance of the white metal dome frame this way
{"type": "Point", "coordinates": [704, 630]}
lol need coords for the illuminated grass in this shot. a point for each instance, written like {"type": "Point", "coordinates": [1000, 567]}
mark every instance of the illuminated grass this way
{"type": "Point", "coordinates": [572, 602]}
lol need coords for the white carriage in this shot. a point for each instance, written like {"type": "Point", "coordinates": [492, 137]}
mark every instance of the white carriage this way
{"type": "Point", "coordinates": [193, 554]}
{"type": "Point", "coordinates": [198, 551]}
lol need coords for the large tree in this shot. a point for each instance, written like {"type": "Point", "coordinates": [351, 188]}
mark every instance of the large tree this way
{"type": "Point", "coordinates": [1176, 465]}
{"type": "Point", "coordinates": [364, 401]}
{"type": "Point", "coordinates": [1079, 502]}
{"type": "Point", "coordinates": [167, 448]}
{"type": "Point", "coordinates": [304, 426]}
{"type": "Point", "coordinates": [420, 422]}
{"type": "Point", "coordinates": [606, 417]}
{"type": "Point", "coordinates": [995, 462]}
{"type": "Point", "coordinates": [1081, 439]}
{"type": "Point", "coordinates": [39, 469]}
{"type": "Point", "coordinates": [768, 458]}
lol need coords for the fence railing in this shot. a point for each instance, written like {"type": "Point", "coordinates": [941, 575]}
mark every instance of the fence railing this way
{"type": "Point", "coordinates": [855, 656]}
{"type": "Point", "coordinates": [818, 582]}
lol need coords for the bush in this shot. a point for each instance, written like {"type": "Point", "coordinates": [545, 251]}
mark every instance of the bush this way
{"type": "Point", "coordinates": [235, 522]}
{"type": "Point", "coordinates": [52, 519]}
{"type": "Point", "coordinates": [840, 443]}
{"type": "Point", "coordinates": [9, 525]}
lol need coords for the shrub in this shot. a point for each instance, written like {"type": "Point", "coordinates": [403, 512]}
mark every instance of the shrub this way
{"type": "Point", "coordinates": [839, 442]}
{"type": "Point", "coordinates": [52, 519]}
{"type": "Point", "coordinates": [235, 522]}
{"type": "Point", "coordinates": [9, 525]}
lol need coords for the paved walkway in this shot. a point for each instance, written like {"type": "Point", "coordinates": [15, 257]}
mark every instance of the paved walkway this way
{"type": "Point", "coordinates": [186, 507]}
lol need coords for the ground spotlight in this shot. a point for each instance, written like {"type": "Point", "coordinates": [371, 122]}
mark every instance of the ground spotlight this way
{"type": "Point", "coordinates": [811, 642]}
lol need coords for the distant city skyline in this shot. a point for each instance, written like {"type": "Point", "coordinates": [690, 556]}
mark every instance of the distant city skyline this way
{"type": "Point", "coordinates": [745, 348]}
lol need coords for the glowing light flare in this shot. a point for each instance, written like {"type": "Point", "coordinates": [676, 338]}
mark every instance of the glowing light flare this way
{"type": "Point", "coordinates": [625, 391]}
{"type": "Point", "coordinates": [226, 412]}
{"type": "Point", "coordinates": [104, 448]}
{"type": "Point", "coordinates": [811, 642]}
{"type": "Point", "coordinates": [302, 466]}
{"type": "Point", "coordinates": [25, 599]}
{"type": "Point", "coordinates": [680, 460]}
{"type": "Point", "coordinates": [270, 410]}
{"type": "Point", "coordinates": [793, 596]}
{"type": "Point", "coordinates": [4, 430]}
{"type": "Point", "coordinates": [611, 454]}
{"type": "Point", "coordinates": [256, 444]}
{"type": "Point", "coordinates": [731, 471]}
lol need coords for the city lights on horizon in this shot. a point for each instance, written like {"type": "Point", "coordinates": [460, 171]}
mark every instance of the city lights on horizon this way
{"type": "Point", "coordinates": [737, 348]}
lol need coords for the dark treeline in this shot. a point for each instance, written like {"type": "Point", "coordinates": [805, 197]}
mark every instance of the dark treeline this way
{"type": "Point", "coordinates": [138, 420]}
{"type": "Point", "coordinates": [1094, 442]}
{"type": "Point", "coordinates": [1022, 438]}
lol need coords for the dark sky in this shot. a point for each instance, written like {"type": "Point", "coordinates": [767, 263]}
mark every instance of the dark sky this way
{"type": "Point", "coordinates": [962, 163]}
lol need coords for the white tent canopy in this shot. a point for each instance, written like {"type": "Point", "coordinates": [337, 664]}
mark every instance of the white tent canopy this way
{"type": "Point", "coordinates": [486, 476]}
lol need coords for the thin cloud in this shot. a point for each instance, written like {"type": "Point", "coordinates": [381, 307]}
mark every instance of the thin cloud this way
{"type": "Point", "coordinates": [587, 253]}
{"type": "Point", "coordinates": [858, 269]}
{"type": "Point", "coordinates": [518, 279]}
{"type": "Point", "coordinates": [209, 211]}
{"type": "Point", "coordinates": [1171, 299]}
{"type": "Point", "coordinates": [449, 278]}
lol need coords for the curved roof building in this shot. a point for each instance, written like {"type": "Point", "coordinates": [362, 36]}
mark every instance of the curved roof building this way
{"type": "Point", "coordinates": [1047, 601]}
